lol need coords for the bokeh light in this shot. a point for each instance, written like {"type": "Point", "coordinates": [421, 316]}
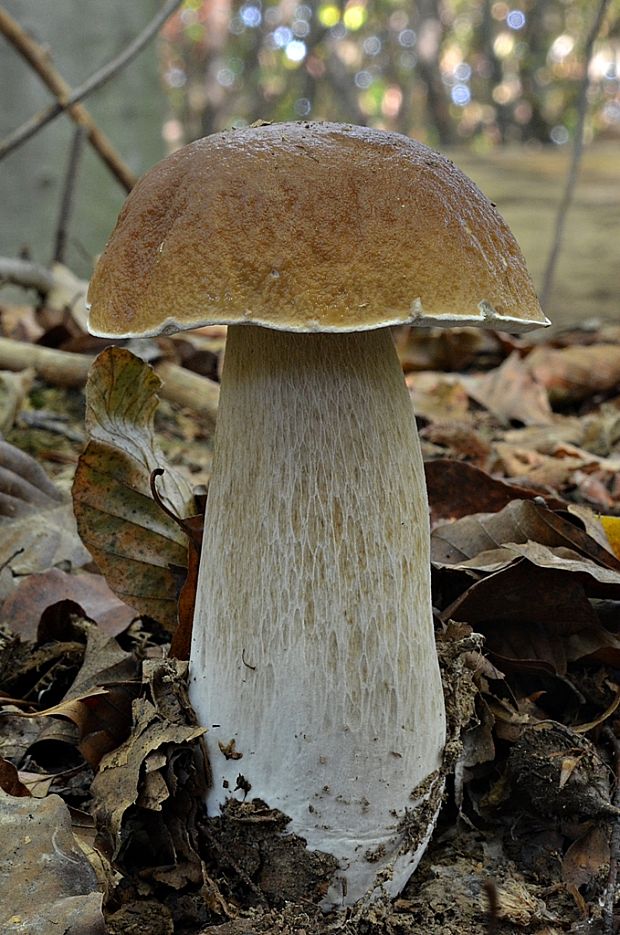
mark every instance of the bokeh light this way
{"type": "Point", "coordinates": [483, 71]}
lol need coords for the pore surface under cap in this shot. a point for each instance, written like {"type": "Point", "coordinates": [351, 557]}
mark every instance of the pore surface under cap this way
{"type": "Point", "coordinates": [309, 227]}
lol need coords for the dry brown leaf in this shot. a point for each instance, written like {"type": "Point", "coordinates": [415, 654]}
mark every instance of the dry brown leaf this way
{"type": "Point", "coordinates": [133, 541]}
{"type": "Point", "coordinates": [571, 374]}
{"type": "Point", "coordinates": [98, 702]}
{"type": "Point", "coordinates": [24, 608]}
{"type": "Point", "coordinates": [46, 883]}
{"type": "Point", "coordinates": [37, 784]}
{"type": "Point", "coordinates": [601, 429]}
{"type": "Point", "coordinates": [594, 488]}
{"type": "Point", "coordinates": [17, 734]}
{"type": "Point", "coordinates": [589, 520]}
{"type": "Point", "coordinates": [438, 398]}
{"type": "Point", "coordinates": [511, 393]}
{"type": "Point", "coordinates": [441, 348]}
{"type": "Point", "coordinates": [532, 467]}
{"type": "Point", "coordinates": [34, 544]}
{"type": "Point", "coordinates": [71, 709]}
{"type": "Point", "coordinates": [562, 457]}
{"type": "Point", "coordinates": [546, 438]}
{"type": "Point", "coordinates": [154, 782]}
{"type": "Point", "coordinates": [604, 715]}
{"type": "Point", "coordinates": [37, 528]}
{"type": "Point", "coordinates": [587, 859]}
{"type": "Point", "coordinates": [519, 522]}
{"type": "Point", "coordinates": [24, 485]}
{"type": "Point", "coordinates": [457, 489]}
{"type": "Point", "coordinates": [528, 613]}
{"type": "Point", "coordinates": [460, 441]}
{"type": "Point", "coordinates": [103, 719]}
{"type": "Point", "coordinates": [10, 781]}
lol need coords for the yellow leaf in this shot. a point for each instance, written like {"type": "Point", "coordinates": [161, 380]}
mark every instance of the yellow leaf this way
{"type": "Point", "coordinates": [611, 525]}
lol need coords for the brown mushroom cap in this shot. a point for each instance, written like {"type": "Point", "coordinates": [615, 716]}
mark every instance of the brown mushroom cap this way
{"type": "Point", "coordinates": [309, 227]}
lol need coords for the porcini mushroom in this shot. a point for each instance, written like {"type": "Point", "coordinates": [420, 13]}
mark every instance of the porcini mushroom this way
{"type": "Point", "coordinates": [313, 657]}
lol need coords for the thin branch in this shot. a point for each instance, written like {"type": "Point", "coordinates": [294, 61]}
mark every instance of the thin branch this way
{"type": "Point", "coordinates": [26, 274]}
{"type": "Point", "coordinates": [67, 199]}
{"type": "Point", "coordinates": [36, 57]}
{"type": "Point", "coordinates": [96, 81]}
{"type": "Point", "coordinates": [577, 152]}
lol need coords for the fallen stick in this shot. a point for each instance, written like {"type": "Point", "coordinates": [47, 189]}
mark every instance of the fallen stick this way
{"type": "Point", "coordinates": [62, 368]}
{"type": "Point", "coordinates": [24, 273]}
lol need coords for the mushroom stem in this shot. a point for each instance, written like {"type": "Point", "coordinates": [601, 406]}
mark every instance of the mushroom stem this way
{"type": "Point", "coordinates": [313, 642]}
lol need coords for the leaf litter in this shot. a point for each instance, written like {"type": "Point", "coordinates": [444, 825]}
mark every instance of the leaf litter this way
{"type": "Point", "coordinates": [522, 448]}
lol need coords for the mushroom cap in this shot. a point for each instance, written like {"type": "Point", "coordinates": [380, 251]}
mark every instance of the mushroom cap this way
{"type": "Point", "coordinates": [309, 227]}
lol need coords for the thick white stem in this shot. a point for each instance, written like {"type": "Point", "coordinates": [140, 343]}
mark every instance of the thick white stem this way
{"type": "Point", "coordinates": [313, 643]}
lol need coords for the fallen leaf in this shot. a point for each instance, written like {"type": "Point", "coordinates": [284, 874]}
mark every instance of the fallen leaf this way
{"type": "Point", "coordinates": [587, 857]}
{"type": "Point", "coordinates": [18, 733]}
{"type": "Point", "coordinates": [611, 526]}
{"type": "Point", "coordinates": [519, 521]}
{"type": "Point", "coordinates": [98, 702]}
{"type": "Point", "coordinates": [121, 401]}
{"type": "Point", "coordinates": [151, 787]}
{"type": "Point", "coordinates": [24, 608]}
{"type": "Point", "coordinates": [457, 489]}
{"type": "Point", "coordinates": [571, 374]}
{"type": "Point", "coordinates": [134, 542]}
{"type": "Point", "coordinates": [590, 520]}
{"type": "Point", "coordinates": [460, 441]}
{"type": "Point", "coordinates": [534, 468]}
{"type": "Point", "coordinates": [438, 398]}
{"type": "Point", "coordinates": [10, 781]}
{"type": "Point", "coordinates": [604, 715]}
{"type": "Point", "coordinates": [594, 489]}
{"type": "Point", "coordinates": [512, 393]}
{"type": "Point", "coordinates": [24, 485]}
{"type": "Point", "coordinates": [37, 784]}
{"type": "Point", "coordinates": [527, 612]}
{"type": "Point", "coordinates": [441, 348]}
{"type": "Point", "coordinates": [545, 439]}
{"type": "Point", "coordinates": [46, 883]}
{"type": "Point", "coordinates": [37, 528]}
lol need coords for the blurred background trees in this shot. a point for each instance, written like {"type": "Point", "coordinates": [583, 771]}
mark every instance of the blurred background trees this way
{"type": "Point", "coordinates": [495, 83]}
{"type": "Point", "coordinates": [485, 72]}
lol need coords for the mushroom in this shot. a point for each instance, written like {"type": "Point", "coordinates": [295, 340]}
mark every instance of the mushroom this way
{"type": "Point", "coordinates": [313, 662]}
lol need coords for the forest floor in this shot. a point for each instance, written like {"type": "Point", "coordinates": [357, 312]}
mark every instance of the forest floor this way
{"type": "Point", "coordinates": [101, 763]}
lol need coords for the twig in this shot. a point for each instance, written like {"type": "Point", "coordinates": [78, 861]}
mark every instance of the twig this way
{"type": "Point", "coordinates": [36, 57]}
{"type": "Point", "coordinates": [96, 81]}
{"type": "Point", "coordinates": [66, 202]}
{"type": "Point", "coordinates": [62, 368]}
{"type": "Point", "coordinates": [577, 152]}
{"type": "Point", "coordinates": [50, 422]}
{"type": "Point", "coordinates": [26, 274]}
{"type": "Point", "coordinates": [614, 847]}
